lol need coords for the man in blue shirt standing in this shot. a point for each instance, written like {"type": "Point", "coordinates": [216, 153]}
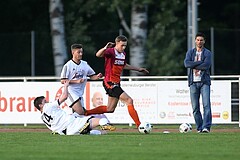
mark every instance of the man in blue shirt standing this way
{"type": "Point", "coordinates": [198, 60]}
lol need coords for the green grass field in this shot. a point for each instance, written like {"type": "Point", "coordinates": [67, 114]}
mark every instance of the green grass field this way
{"type": "Point", "coordinates": [120, 146]}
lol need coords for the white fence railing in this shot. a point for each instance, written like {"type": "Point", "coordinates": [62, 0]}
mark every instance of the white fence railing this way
{"type": "Point", "coordinates": [234, 78]}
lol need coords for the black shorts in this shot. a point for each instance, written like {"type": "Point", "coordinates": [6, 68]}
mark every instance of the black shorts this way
{"type": "Point", "coordinates": [113, 89]}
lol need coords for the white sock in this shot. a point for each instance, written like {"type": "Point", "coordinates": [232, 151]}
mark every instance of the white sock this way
{"type": "Point", "coordinates": [103, 121]}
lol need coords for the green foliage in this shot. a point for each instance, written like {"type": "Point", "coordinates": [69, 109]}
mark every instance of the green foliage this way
{"type": "Point", "coordinates": [229, 12]}
{"type": "Point", "coordinates": [119, 146]}
{"type": "Point", "coordinates": [165, 30]}
{"type": "Point", "coordinates": [95, 22]}
{"type": "Point", "coordinates": [166, 48]}
{"type": "Point", "coordinates": [89, 22]}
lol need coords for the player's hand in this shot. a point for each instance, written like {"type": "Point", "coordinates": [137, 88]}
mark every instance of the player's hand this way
{"type": "Point", "coordinates": [81, 80]}
{"type": "Point", "coordinates": [66, 83]}
{"type": "Point", "coordinates": [99, 75]}
{"type": "Point", "coordinates": [109, 45]}
{"type": "Point", "coordinates": [143, 70]}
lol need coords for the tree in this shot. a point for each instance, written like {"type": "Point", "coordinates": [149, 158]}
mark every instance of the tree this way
{"type": "Point", "coordinates": [167, 38]}
{"type": "Point", "coordinates": [137, 32]}
{"type": "Point", "coordinates": [153, 27]}
{"type": "Point", "coordinates": [80, 22]}
{"type": "Point", "coordinates": [156, 33]}
{"type": "Point", "coordinates": [95, 22]}
{"type": "Point", "coordinates": [91, 23]}
{"type": "Point", "coordinates": [58, 34]}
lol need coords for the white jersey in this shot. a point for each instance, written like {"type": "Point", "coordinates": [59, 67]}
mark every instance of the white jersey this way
{"type": "Point", "coordinates": [54, 117]}
{"type": "Point", "coordinates": [58, 120]}
{"type": "Point", "coordinates": [73, 71]}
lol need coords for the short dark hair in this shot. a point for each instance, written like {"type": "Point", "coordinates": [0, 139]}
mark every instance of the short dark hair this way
{"type": "Point", "coordinates": [76, 46]}
{"type": "Point", "coordinates": [121, 38]}
{"type": "Point", "coordinates": [37, 101]}
{"type": "Point", "coordinates": [200, 34]}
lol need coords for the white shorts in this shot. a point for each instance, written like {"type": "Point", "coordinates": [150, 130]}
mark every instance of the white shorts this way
{"type": "Point", "coordinates": [76, 123]}
{"type": "Point", "coordinates": [73, 98]}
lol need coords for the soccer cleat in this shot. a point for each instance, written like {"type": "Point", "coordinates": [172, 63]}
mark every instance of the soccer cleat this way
{"type": "Point", "coordinates": [108, 127]}
{"type": "Point", "coordinates": [205, 130]}
{"type": "Point", "coordinates": [54, 133]}
{"type": "Point", "coordinates": [85, 129]}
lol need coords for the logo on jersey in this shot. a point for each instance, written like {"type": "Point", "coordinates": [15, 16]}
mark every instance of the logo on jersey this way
{"type": "Point", "coordinates": [119, 62]}
{"type": "Point", "coordinates": [78, 74]}
{"type": "Point", "coordinates": [119, 58]}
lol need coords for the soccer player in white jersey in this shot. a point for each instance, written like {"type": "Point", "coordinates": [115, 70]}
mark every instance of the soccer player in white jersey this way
{"type": "Point", "coordinates": [58, 121]}
{"type": "Point", "coordinates": [77, 71]}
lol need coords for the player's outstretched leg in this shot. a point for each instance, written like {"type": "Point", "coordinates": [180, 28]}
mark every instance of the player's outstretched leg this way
{"type": "Point", "coordinates": [133, 113]}
{"type": "Point", "coordinates": [97, 110]}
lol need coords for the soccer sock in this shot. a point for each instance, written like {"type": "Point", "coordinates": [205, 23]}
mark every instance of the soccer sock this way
{"type": "Point", "coordinates": [97, 110]}
{"type": "Point", "coordinates": [133, 113]}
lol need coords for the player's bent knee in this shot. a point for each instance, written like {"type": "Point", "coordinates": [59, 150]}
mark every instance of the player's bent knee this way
{"type": "Point", "coordinates": [129, 101]}
{"type": "Point", "coordinates": [110, 110]}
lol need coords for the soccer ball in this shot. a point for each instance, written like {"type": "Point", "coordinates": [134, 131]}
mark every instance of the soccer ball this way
{"type": "Point", "coordinates": [145, 128]}
{"type": "Point", "coordinates": [185, 128]}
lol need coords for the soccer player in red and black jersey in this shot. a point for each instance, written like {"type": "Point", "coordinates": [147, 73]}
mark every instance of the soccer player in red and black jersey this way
{"type": "Point", "coordinates": [115, 62]}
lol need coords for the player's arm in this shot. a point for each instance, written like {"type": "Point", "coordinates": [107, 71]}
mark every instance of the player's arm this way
{"type": "Point", "coordinates": [63, 80]}
{"type": "Point", "coordinates": [81, 80]}
{"type": "Point", "coordinates": [64, 75]}
{"type": "Point", "coordinates": [100, 52]}
{"type": "Point", "coordinates": [139, 69]}
{"type": "Point", "coordinates": [96, 77]}
{"type": "Point", "coordinates": [65, 93]}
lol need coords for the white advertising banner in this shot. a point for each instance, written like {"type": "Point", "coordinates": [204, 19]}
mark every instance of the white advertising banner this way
{"type": "Point", "coordinates": [16, 100]}
{"type": "Point", "coordinates": [157, 102]}
{"type": "Point", "coordinates": [221, 101]}
{"type": "Point", "coordinates": [144, 95]}
{"type": "Point", "coordinates": [175, 104]}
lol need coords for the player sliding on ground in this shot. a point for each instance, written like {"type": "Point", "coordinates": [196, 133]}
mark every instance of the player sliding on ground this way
{"type": "Point", "coordinates": [58, 121]}
{"type": "Point", "coordinates": [115, 62]}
